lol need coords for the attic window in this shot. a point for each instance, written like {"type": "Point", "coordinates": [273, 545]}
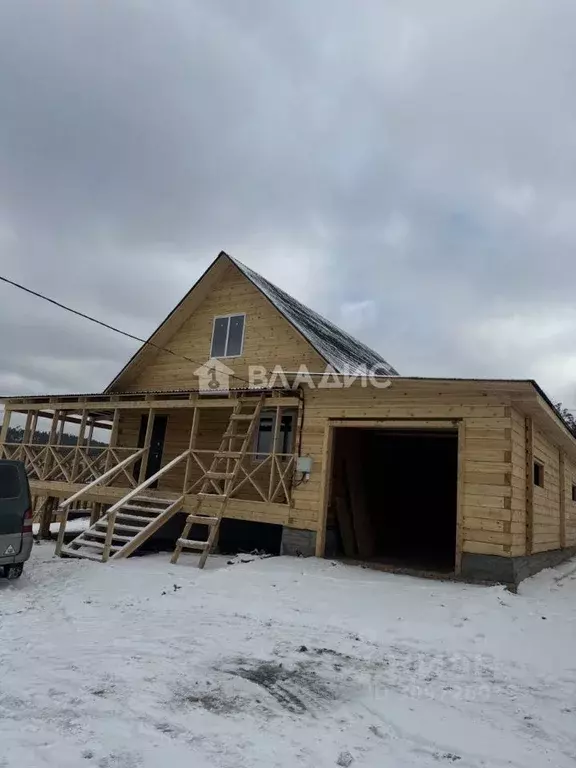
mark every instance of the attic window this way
{"type": "Point", "coordinates": [227, 336]}
{"type": "Point", "coordinates": [573, 492]}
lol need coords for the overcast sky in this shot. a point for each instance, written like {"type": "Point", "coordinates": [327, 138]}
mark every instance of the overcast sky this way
{"type": "Point", "coordinates": [405, 167]}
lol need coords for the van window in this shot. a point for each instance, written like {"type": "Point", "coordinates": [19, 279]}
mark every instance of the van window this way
{"type": "Point", "coordinates": [9, 482]}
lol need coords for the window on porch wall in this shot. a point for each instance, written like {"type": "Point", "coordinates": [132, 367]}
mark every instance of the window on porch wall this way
{"type": "Point", "coordinates": [265, 434]}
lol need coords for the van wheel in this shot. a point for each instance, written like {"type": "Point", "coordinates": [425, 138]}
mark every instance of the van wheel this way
{"type": "Point", "coordinates": [13, 571]}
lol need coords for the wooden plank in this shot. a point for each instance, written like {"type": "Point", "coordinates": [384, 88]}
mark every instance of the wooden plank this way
{"type": "Point", "coordinates": [325, 488]}
{"type": "Point", "coordinates": [562, 499]}
{"type": "Point", "coordinates": [5, 426]}
{"type": "Point", "coordinates": [460, 502]}
{"type": "Point", "coordinates": [147, 440]}
{"type": "Point", "coordinates": [529, 428]}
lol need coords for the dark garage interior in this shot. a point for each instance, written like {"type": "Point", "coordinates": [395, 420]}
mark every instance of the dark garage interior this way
{"type": "Point", "coordinates": [393, 497]}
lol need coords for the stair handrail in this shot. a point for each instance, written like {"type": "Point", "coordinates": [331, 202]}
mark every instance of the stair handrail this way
{"type": "Point", "coordinates": [115, 508]}
{"type": "Point", "coordinates": [63, 507]}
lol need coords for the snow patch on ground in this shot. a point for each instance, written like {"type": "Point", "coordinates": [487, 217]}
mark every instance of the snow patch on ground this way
{"type": "Point", "coordinates": [281, 662]}
{"type": "Point", "coordinates": [77, 525]}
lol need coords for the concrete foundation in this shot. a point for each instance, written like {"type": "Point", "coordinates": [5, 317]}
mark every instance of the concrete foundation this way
{"type": "Point", "coordinates": [511, 570]}
{"type": "Point", "coordinates": [298, 543]}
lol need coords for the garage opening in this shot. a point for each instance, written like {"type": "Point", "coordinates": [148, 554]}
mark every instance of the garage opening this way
{"type": "Point", "coordinates": [393, 497]}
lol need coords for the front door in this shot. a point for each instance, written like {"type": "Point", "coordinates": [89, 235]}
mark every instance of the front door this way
{"type": "Point", "coordinates": [156, 446]}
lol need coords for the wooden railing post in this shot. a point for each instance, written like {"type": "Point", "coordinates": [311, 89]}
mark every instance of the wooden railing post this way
{"type": "Point", "coordinates": [191, 446]}
{"type": "Point", "coordinates": [275, 433]}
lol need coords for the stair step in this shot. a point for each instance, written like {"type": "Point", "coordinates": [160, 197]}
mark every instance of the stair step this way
{"type": "Point", "coordinates": [152, 500]}
{"type": "Point", "coordinates": [138, 518]}
{"type": "Point", "coordinates": [237, 435]}
{"type": "Point", "coordinates": [228, 455]}
{"type": "Point", "coordinates": [138, 508]}
{"type": "Point", "coordinates": [191, 544]}
{"type": "Point", "coordinates": [220, 496]}
{"type": "Point", "coordinates": [242, 416]}
{"type": "Point", "coordinates": [102, 535]}
{"type": "Point", "coordinates": [76, 553]}
{"type": "Point", "coordinates": [124, 526]}
{"type": "Point", "coordinates": [202, 519]}
{"type": "Point", "coordinates": [219, 475]}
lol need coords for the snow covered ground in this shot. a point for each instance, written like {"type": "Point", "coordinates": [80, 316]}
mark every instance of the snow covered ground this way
{"type": "Point", "coordinates": [281, 662]}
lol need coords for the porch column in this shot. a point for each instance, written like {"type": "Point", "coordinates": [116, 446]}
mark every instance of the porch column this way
{"type": "Point", "coordinates": [49, 460]}
{"type": "Point", "coordinates": [4, 430]}
{"type": "Point", "coordinates": [110, 460]}
{"type": "Point", "coordinates": [191, 446]}
{"type": "Point", "coordinates": [79, 444]}
{"type": "Point", "coordinates": [147, 439]}
{"type": "Point", "coordinates": [47, 513]}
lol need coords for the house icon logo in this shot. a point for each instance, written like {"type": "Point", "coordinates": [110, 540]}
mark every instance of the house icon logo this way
{"type": "Point", "coordinates": [213, 376]}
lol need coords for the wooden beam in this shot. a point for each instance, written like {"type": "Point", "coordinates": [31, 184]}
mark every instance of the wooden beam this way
{"type": "Point", "coordinates": [275, 433]}
{"type": "Point", "coordinates": [562, 499]}
{"type": "Point", "coordinates": [191, 446]}
{"type": "Point", "coordinates": [146, 446]}
{"type": "Point", "coordinates": [79, 444]}
{"type": "Point", "coordinates": [395, 423]}
{"type": "Point", "coordinates": [48, 461]}
{"type": "Point", "coordinates": [113, 439]}
{"type": "Point", "coordinates": [199, 401]}
{"type": "Point", "coordinates": [27, 427]}
{"type": "Point", "coordinates": [529, 430]}
{"type": "Point", "coordinates": [5, 427]}
{"type": "Point", "coordinates": [325, 483]}
{"type": "Point", "coordinates": [61, 427]}
{"type": "Point", "coordinates": [460, 497]}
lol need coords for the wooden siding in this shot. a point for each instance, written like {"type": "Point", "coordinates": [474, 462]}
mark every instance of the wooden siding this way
{"type": "Point", "coordinates": [518, 481]}
{"type": "Point", "coordinates": [269, 340]}
{"type": "Point", "coordinates": [546, 521]}
{"type": "Point", "coordinates": [570, 506]}
{"type": "Point", "coordinates": [487, 523]}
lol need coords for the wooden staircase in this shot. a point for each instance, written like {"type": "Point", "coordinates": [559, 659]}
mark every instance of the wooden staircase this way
{"type": "Point", "coordinates": [219, 480]}
{"type": "Point", "coordinates": [135, 518]}
{"type": "Point", "coordinates": [119, 534]}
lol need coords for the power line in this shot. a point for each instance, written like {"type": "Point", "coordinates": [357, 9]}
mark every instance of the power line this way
{"type": "Point", "coordinates": [106, 325]}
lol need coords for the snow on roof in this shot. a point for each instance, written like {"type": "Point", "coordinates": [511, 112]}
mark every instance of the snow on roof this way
{"type": "Point", "coordinates": [340, 350]}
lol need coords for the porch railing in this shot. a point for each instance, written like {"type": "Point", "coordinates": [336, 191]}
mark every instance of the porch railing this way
{"type": "Point", "coordinates": [261, 477]}
{"type": "Point", "coordinates": [69, 463]}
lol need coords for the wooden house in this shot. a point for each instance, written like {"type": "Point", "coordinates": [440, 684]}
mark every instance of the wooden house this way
{"type": "Point", "coordinates": [475, 478]}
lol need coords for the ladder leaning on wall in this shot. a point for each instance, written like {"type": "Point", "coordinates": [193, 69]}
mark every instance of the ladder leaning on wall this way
{"type": "Point", "coordinates": [220, 478]}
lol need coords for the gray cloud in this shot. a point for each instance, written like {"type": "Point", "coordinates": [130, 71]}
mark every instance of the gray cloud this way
{"type": "Point", "coordinates": [406, 168]}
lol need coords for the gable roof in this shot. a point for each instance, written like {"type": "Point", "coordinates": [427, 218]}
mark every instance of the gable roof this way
{"type": "Point", "coordinates": [340, 350]}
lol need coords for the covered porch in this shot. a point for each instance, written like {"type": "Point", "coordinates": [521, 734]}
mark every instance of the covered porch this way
{"type": "Point", "coordinates": [92, 452]}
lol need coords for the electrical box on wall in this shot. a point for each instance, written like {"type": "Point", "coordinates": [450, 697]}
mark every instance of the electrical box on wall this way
{"type": "Point", "coordinates": [304, 464]}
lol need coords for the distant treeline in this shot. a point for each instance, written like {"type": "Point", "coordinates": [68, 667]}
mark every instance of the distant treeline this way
{"type": "Point", "coordinates": [16, 434]}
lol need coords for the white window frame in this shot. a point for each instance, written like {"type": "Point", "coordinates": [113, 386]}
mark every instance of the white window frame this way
{"type": "Point", "coordinates": [228, 317]}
